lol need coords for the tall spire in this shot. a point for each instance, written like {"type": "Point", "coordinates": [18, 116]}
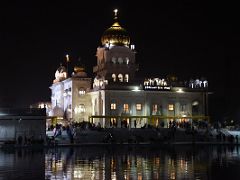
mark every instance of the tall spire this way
{"type": "Point", "coordinates": [115, 14]}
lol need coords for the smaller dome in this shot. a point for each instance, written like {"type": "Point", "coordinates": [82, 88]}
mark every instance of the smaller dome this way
{"type": "Point", "coordinates": [79, 72]}
{"type": "Point", "coordinates": [78, 69]}
{"type": "Point", "coordinates": [62, 69]}
{"type": "Point", "coordinates": [60, 74]}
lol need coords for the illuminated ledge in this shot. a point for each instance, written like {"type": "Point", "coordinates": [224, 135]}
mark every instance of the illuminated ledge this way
{"type": "Point", "coordinates": [154, 117]}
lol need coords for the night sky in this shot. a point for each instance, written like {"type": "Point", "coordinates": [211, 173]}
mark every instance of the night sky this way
{"type": "Point", "coordinates": [189, 39]}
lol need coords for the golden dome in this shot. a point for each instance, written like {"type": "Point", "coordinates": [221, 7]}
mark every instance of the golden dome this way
{"type": "Point", "coordinates": [78, 69]}
{"type": "Point", "coordinates": [115, 35]}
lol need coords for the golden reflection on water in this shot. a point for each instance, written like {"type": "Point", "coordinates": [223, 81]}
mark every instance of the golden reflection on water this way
{"type": "Point", "coordinates": [124, 164]}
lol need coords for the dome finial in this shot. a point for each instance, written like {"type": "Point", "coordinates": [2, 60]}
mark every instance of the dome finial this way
{"type": "Point", "coordinates": [115, 14]}
{"type": "Point", "coordinates": [67, 58]}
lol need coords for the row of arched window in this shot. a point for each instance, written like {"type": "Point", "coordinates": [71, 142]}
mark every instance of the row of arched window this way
{"type": "Point", "coordinates": [198, 83]}
{"type": "Point", "coordinates": [120, 78]}
{"type": "Point", "coordinates": [120, 60]}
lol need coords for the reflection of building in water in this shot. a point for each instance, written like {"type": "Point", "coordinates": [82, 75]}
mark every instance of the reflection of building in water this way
{"type": "Point", "coordinates": [104, 163]}
{"type": "Point", "coordinates": [67, 164]}
{"type": "Point", "coordinates": [100, 166]}
{"type": "Point", "coordinates": [116, 92]}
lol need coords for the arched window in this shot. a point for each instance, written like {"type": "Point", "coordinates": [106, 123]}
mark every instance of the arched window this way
{"type": "Point", "coordinates": [170, 107]}
{"type": "Point", "coordinates": [81, 91]}
{"type": "Point", "coordinates": [126, 107]}
{"type": "Point", "coordinates": [205, 84]}
{"type": "Point", "coordinates": [120, 78]}
{"type": "Point", "coordinates": [120, 60]}
{"type": "Point", "coordinates": [154, 109]}
{"type": "Point", "coordinates": [114, 60]}
{"type": "Point", "coordinates": [114, 78]}
{"type": "Point", "coordinates": [195, 107]}
{"type": "Point", "coordinates": [127, 60]}
{"type": "Point", "coordinates": [80, 108]}
{"type": "Point", "coordinates": [126, 78]}
{"type": "Point", "coordinates": [197, 83]}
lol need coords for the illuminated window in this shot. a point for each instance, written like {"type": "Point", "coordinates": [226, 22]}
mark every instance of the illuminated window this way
{"type": "Point", "coordinates": [138, 107]}
{"type": "Point", "coordinates": [132, 46]}
{"type": "Point", "coordinates": [114, 60]}
{"type": "Point", "coordinates": [42, 105]}
{"type": "Point", "coordinates": [205, 83]}
{"type": "Point", "coordinates": [113, 122]}
{"type": "Point", "coordinates": [170, 107]}
{"type": "Point", "coordinates": [120, 60]}
{"type": "Point", "coordinates": [126, 78]}
{"type": "Point", "coordinates": [113, 106]}
{"type": "Point", "coordinates": [120, 78]}
{"type": "Point", "coordinates": [125, 107]}
{"type": "Point", "coordinates": [80, 108]}
{"type": "Point", "coordinates": [114, 78]}
{"type": "Point", "coordinates": [81, 91]}
{"type": "Point", "coordinates": [155, 108]}
{"type": "Point", "coordinates": [127, 60]}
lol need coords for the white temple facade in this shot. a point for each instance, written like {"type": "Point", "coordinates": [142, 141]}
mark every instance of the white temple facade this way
{"type": "Point", "coordinates": [116, 95]}
{"type": "Point", "coordinates": [70, 99]}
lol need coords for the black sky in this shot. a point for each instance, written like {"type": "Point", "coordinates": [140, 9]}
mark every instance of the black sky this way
{"type": "Point", "coordinates": [187, 38]}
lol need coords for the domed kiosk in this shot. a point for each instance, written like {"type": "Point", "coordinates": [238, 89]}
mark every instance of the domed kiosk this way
{"type": "Point", "coordinates": [60, 74]}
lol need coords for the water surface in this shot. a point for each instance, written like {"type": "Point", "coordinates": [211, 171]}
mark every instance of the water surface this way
{"type": "Point", "coordinates": [122, 162]}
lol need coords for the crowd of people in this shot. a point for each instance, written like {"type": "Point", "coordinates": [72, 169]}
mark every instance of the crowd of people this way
{"type": "Point", "coordinates": [71, 130]}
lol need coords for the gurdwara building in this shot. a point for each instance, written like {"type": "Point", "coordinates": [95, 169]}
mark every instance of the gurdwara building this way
{"type": "Point", "coordinates": [115, 95]}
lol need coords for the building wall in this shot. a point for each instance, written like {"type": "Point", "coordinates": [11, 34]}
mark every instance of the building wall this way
{"type": "Point", "coordinates": [149, 98]}
{"type": "Point", "coordinates": [11, 127]}
{"type": "Point", "coordinates": [115, 60]}
{"type": "Point", "coordinates": [99, 102]}
{"type": "Point", "coordinates": [182, 103]}
{"type": "Point", "coordinates": [81, 100]}
{"type": "Point", "coordinates": [66, 95]}
{"type": "Point", "coordinates": [57, 97]}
